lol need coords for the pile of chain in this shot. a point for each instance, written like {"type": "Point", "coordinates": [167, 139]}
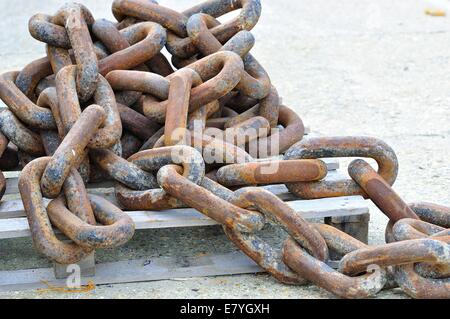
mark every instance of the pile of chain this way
{"type": "Point", "coordinates": [106, 104]}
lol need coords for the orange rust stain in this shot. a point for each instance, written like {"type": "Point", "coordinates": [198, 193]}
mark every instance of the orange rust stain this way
{"type": "Point", "coordinates": [87, 288]}
{"type": "Point", "coordinates": [435, 12]}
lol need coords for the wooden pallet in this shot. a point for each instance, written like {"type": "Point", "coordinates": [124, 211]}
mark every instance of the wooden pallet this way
{"type": "Point", "coordinates": [348, 213]}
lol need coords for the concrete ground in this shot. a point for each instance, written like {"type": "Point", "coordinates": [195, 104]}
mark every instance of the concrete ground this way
{"type": "Point", "coordinates": [352, 67]}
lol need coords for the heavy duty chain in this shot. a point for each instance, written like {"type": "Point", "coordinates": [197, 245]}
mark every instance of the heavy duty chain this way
{"type": "Point", "coordinates": [106, 103]}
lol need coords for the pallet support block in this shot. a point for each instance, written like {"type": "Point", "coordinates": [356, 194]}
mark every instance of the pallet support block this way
{"type": "Point", "coordinates": [356, 226]}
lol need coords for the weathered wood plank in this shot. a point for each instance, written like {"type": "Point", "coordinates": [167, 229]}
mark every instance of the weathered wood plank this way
{"type": "Point", "coordinates": [158, 268]}
{"type": "Point", "coordinates": [188, 217]}
{"type": "Point", "coordinates": [14, 208]}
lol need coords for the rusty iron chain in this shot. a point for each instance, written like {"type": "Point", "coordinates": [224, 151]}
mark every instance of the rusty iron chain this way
{"type": "Point", "coordinates": [105, 103]}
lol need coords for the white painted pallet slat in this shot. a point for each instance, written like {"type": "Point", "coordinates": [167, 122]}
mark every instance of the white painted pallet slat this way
{"type": "Point", "coordinates": [14, 225]}
{"type": "Point", "coordinates": [12, 178]}
{"type": "Point", "coordinates": [14, 208]}
{"type": "Point", "coordinates": [158, 268]}
{"type": "Point", "coordinates": [189, 217]}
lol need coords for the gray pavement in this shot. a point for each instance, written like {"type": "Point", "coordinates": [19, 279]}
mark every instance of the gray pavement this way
{"type": "Point", "coordinates": [352, 67]}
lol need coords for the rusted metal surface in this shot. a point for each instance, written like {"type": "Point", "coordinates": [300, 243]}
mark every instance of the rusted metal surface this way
{"type": "Point", "coordinates": [398, 253]}
{"type": "Point", "coordinates": [136, 123]}
{"type": "Point", "coordinates": [265, 256]}
{"type": "Point", "coordinates": [77, 198]}
{"type": "Point", "coordinates": [379, 191]}
{"type": "Point", "coordinates": [43, 29]}
{"type": "Point", "coordinates": [122, 170]}
{"type": "Point", "coordinates": [204, 201]}
{"type": "Point", "coordinates": [272, 172]}
{"type": "Point", "coordinates": [49, 99]}
{"type": "Point", "coordinates": [160, 65]}
{"type": "Point", "coordinates": [201, 115]}
{"type": "Point", "coordinates": [64, 120]}
{"type": "Point", "coordinates": [267, 107]}
{"type": "Point", "coordinates": [3, 145]}
{"type": "Point", "coordinates": [279, 212]}
{"type": "Point", "coordinates": [150, 143]}
{"type": "Point", "coordinates": [146, 40]}
{"type": "Point", "coordinates": [247, 131]}
{"type": "Point", "coordinates": [339, 283]}
{"type": "Point", "coordinates": [106, 104]}
{"type": "Point", "coordinates": [255, 81]}
{"type": "Point", "coordinates": [280, 141]}
{"type": "Point", "coordinates": [322, 275]}
{"type": "Point", "coordinates": [9, 159]}
{"type": "Point", "coordinates": [44, 238]}
{"type": "Point", "coordinates": [149, 11]}
{"type": "Point", "coordinates": [153, 160]}
{"type": "Point", "coordinates": [107, 32]}
{"type": "Point", "coordinates": [71, 151]}
{"type": "Point", "coordinates": [181, 46]}
{"type": "Point", "coordinates": [220, 73]}
{"type": "Point", "coordinates": [103, 96]}
{"type": "Point", "coordinates": [419, 287]}
{"type": "Point", "coordinates": [145, 82]}
{"type": "Point", "coordinates": [263, 253]}
{"type": "Point", "coordinates": [31, 75]}
{"type": "Point", "coordinates": [24, 138]}
{"type": "Point", "coordinates": [116, 229]}
{"type": "Point", "coordinates": [57, 57]}
{"type": "Point", "coordinates": [178, 106]}
{"type": "Point", "coordinates": [130, 144]}
{"type": "Point", "coordinates": [346, 146]}
{"type": "Point", "coordinates": [432, 213]}
{"type": "Point", "coordinates": [427, 279]}
{"type": "Point", "coordinates": [75, 18]}
{"type": "Point", "coordinates": [409, 228]}
{"type": "Point", "coordinates": [239, 102]}
{"type": "Point", "coordinates": [22, 107]}
{"type": "Point", "coordinates": [219, 151]}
